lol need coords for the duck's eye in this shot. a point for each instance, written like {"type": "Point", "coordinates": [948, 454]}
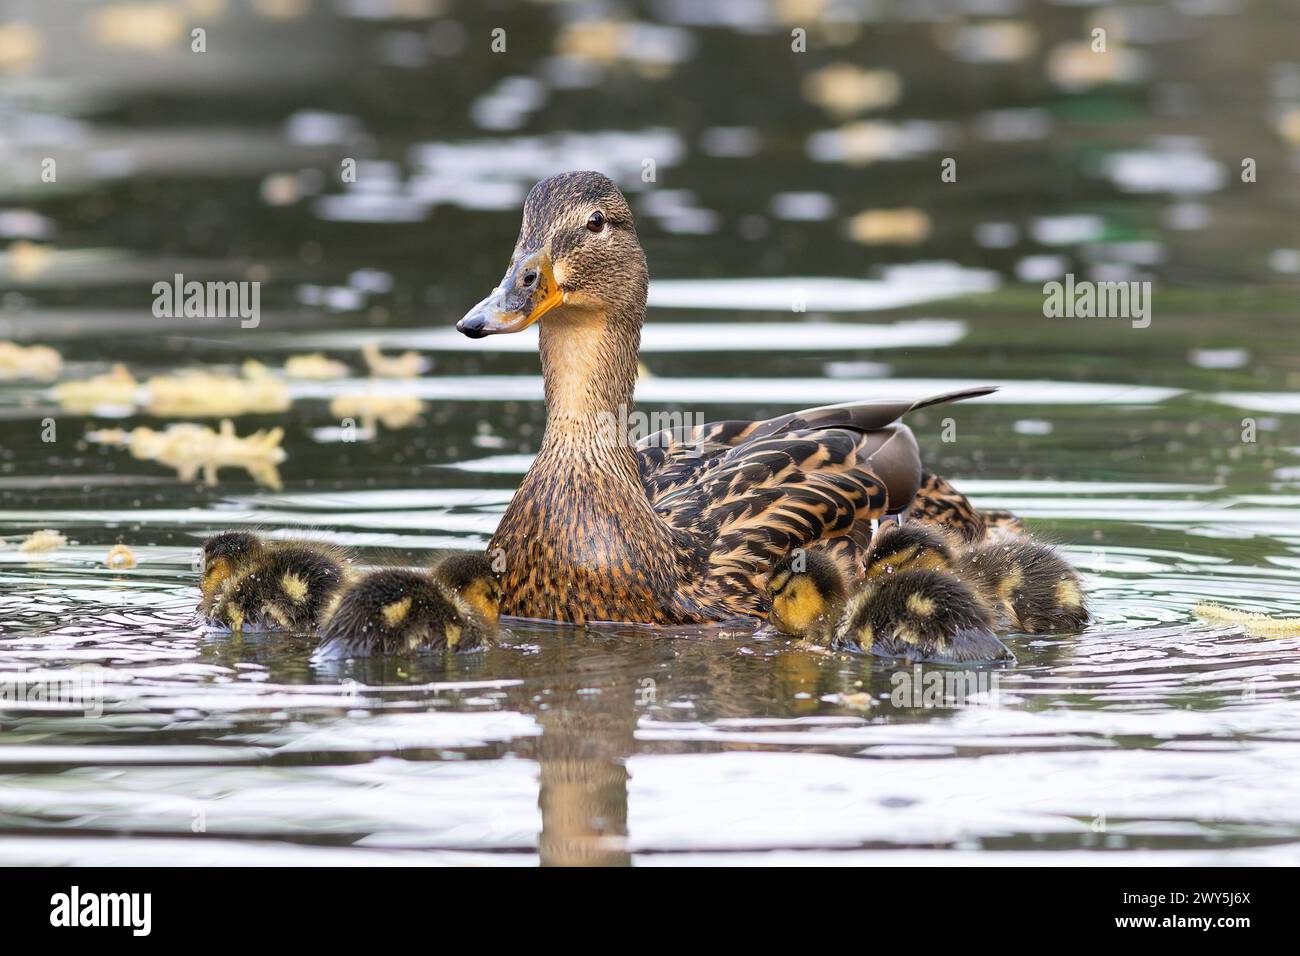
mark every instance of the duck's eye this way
{"type": "Point", "coordinates": [596, 221]}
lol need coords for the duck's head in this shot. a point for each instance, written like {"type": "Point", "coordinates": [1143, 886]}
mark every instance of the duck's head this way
{"type": "Point", "coordinates": [804, 586]}
{"type": "Point", "coordinates": [577, 253]}
{"type": "Point", "coordinates": [471, 576]}
{"type": "Point", "coordinates": [913, 546]}
{"type": "Point", "coordinates": [222, 555]}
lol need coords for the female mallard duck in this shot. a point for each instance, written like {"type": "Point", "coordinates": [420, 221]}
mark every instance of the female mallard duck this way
{"type": "Point", "coordinates": [453, 607]}
{"type": "Point", "coordinates": [921, 614]}
{"type": "Point", "coordinates": [255, 584]}
{"type": "Point", "coordinates": [683, 526]}
{"type": "Point", "coordinates": [1027, 585]}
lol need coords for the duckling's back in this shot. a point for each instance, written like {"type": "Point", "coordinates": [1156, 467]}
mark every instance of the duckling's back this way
{"type": "Point", "coordinates": [921, 615]}
{"type": "Point", "coordinates": [1030, 587]}
{"type": "Point", "coordinates": [398, 611]}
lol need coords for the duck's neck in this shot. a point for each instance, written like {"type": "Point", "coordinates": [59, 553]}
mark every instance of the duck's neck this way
{"type": "Point", "coordinates": [589, 364]}
{"type": "Point", "coordinates": [580, 539]}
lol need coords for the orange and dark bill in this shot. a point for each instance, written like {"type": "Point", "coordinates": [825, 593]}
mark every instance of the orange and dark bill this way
{"type": "Point", "coordinates": [528, 292]}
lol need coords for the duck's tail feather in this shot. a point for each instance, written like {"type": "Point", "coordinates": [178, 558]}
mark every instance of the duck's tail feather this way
{"type": "Point", "coordinates": [864, 416]}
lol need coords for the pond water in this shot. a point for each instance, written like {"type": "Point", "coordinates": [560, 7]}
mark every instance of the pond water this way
{"type": "Point", "coordinates": [806, 250]}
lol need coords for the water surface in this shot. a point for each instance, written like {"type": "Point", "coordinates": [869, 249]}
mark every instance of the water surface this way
{"type": "Point", "coordinates": [1153, 737]}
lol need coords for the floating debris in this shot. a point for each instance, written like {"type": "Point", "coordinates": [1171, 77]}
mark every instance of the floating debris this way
{"type": "Point", "coordinates": [21, 46]}
{"type": "Point", "coordinates": [35, 362]}
{"type": "Point", "coordinates": [994, 41]}
{"type": "Point", "coordinates": [41, 541]}
{"type": "Point", "coordinates": [406, 365]}
{"type": "Point", "coordinates": [394, 411]}
{"type": "Point", "coordinates": [315, 367]}
{"type": "Point", "coordinates": [1076, 67]}
{"type": "Point", "coordinates": [869, 141]}
{"type": "Point", "coordinates": [281, 9]}
{"type": "Point", "coordinates": [195, 393]}
{"type": "Point", "coordinates": [875, 227]}
{"type": "Point", "coordinates": [649, 49]}
{"type": "Point", "coordinates": [110, 392]}
{"type": "Point", "coordinates": [147, 26]}
{"type": "Point", "coordinates": [1257, 625]}
{"type": "Point", "coordinates": [844, 90]}
{"type": "Point", "coordinates": [1288, 126]}
{"type": "Point", "coordinates": [858, 701]}
{"type": "Point", "coordinates": [191, 449]}
{"type": "Point", "coordinates": [186, 394]}
{"type": "Point", "coordinates": [120, 558]}
{"type": "Point", "coordinates": [26, 260]}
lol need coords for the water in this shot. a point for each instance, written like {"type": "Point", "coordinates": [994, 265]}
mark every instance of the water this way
{"type": "Point", "coordinates": [1153, 737]}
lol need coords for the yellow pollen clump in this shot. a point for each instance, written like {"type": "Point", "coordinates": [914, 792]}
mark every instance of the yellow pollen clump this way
{"type": "Point", "coordinates": [120, 558]}
{"type": "Point", "coordinates": [46, 540]}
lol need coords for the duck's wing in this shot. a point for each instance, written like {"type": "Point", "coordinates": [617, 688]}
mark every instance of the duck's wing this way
{"type": "Point", "coordinates": [754, 491]}
{"type": "Point", "coordinates": [677, 457]}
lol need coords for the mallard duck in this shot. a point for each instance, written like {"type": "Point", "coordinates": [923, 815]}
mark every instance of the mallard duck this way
{"type": "Point", "coordinates": [453, 607]}
{"type": "Point", "coordinates": [248, 583]}
{"type": "Point", "coordinates": [683, 526]}
{"type": "Point", "coordinates": [1026, 584]}
{"type": "Point", "coordinates": [919, 614]}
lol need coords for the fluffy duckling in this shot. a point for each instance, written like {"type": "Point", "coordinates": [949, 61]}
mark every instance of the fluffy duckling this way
{"type": "Point", "coordinates": [1027, 585]}
{"type": "Point", "coordinates": [470, 575]}
{"type": "Point", "coordinates": [918, 614]}
{"type": "Point", "coordinates": [453, 607]}
{"type": "Point", "coordinates": [1030, 587]}
{"type": "Point", "coordinates": [255, 584]}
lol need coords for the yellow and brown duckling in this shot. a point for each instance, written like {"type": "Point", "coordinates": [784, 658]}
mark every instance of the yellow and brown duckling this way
{"type": "Point", "coordinates": [252, 584]}
{"type": "Point", "coordinates": [1026, 584]}
{"type": "Point", "coordinates": [1031, 588]}
{"type": "Point", "coordinates": [917, 615]}
{"type": "Point", "coordinates": [455, 606]}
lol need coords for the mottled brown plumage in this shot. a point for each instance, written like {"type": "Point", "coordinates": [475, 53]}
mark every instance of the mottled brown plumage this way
{"type": "Point", "coordinates": [680, 528]}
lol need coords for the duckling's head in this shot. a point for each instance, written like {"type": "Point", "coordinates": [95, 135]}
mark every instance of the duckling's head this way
{"type": "Point", "coordinates": [222, 555]}
{"type": "Point", "coordinates": [804, 587]}
{"type": "Point", "coordinates": [577, 254]}
{"type": "Point", "coordinates": [914, 546]}
{"type": "Point", "coordinates": [471, 576]}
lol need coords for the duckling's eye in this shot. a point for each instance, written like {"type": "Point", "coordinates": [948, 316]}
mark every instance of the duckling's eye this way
{"type": "Point", "coordinates": [596, 221]}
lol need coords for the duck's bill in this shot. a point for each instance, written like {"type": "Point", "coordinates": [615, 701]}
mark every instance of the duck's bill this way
{"type": "Point", "coordinates": [528, 292]}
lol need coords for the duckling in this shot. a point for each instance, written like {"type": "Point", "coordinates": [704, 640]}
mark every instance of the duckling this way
{"type": "Point", "coordinates": [455, 606]}
{"type": "Point", "coordinates": [470, 575]}
{"type": "Point", "coordinates": [1030, 587]}
{"type": "Point", "coordinates": [256, 584]}
{"type": "Point", "coordinates": [912, 546]}
{"type": "Point", "coordinates": [917, 614]}
{"type": "Point", "coordinates": [1027, 585]}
